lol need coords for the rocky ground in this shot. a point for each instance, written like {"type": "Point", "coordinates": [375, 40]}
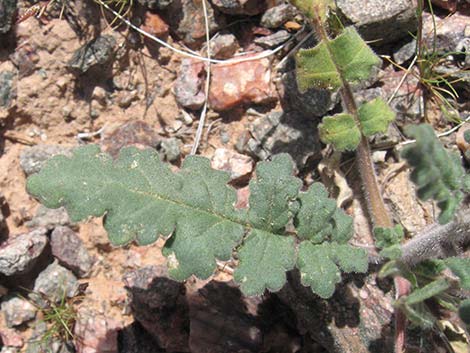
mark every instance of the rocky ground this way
{"type": "Point", "coordinates": [76, 76]}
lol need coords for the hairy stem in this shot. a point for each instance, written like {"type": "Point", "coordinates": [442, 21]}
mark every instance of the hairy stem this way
{"type": "Point", "coordinates": [375, 205]}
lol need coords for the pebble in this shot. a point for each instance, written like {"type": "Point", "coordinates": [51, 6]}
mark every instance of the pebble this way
{"type": "Point", "coordinates": [223, 46]}
{"type": "Point", "coordinates": [7, 90]}
{"type": "Point", "coordinates": [18, 311]}
{"type": "Point", "coordinates": [97, 53]}
{"type": "Point", "coordinates": [155, 25]}
{"type": "Point", "coordinates": [54, 283]}
{"type": "Point", "coordinates": [96, 333]}
{"type": "Point", "coordinates": [240, 83]}
{"type": "Point", "coordinates": [32, 159]}
{"type": "Point", "coordinates": [189, 85]}
{"type": "Point", "coordinates": [25, 59]}
{"type": "Point", "coordinates": [49, 218]}
{"type": "Point", "coordinates": [240, 7]}
{"type": "Point", "coordinates": [69, 249]}
{"type": "Point", "coordinates": [273, 40]}
{"type": "Point", "coordinates": [278, 15]}
{"type": "Point", "coordinates": [170, 148]}
{"type": "Point", "coordinates": [19, 253]}
{"type": "Point", "coordinates": [11, 338]}
{"type": "Point", "coordinates": [238, 165]}
{"type": "Point", "coordinates": [7, 11]}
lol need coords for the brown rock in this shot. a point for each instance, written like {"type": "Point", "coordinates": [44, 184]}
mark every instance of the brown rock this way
{"type": "Point", "coordinates": [239, 83]}
{"type": "Point", "coordinates": [155, 25]}
{"type": "Point", "coordinates": [238, 165]}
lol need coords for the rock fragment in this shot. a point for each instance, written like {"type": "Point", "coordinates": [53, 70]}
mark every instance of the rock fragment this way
{"type": "Point", "coordinates": [238, 165]}
{"type": "Point", "coordinates": [19, 253]}
{"type": "Point", "coordinates": [189, 85]}
{"type": "Point", "coordinates": [7, 11]}
{"type": "Point", "coordinates": [7, 88]}
{"type": "Point", "coordinates": [18, 311]}
{"type": "Point", "coordinates": [224, 46]}
{"type": "Point", "coordinates": [278, 15]}
{"type": "Point", "coordinates": [240, 7]}
{"type": "Point", "coordinates": [49, 218]}
{"type": "Point", "coordinates": [54, 283]}
{"type": "Point", "coordinates": [69, 249]}
{"type": "Point", "coordinates": [155, 25]}
{"type": "Point", "coordinates": [32, 159]}
{"type": "Point", "coordinates": [273, 40]}
{"type": "Point", "coordinates": [97, 53]}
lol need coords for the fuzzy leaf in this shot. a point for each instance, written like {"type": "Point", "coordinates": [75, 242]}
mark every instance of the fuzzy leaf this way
{"type": "Point", "coordinates": [264, 259]}
{"type": "Point", "coordinates": [428, 291]}
{"type": "Point", "coordinates": [341, 131]}
{"type": "Point", "coordinates": [436, 173]}
{"type": "Point", "coordinates": [142, 199]}
{"type": "Point", "coordinates": [318, 265]}
{"type": "Point", "coordinates": [461, 268]}
{"type": "Point", "coordinates": [347, 56]}
{"type": "Point", "coordinates": [375, 116]}
{"type": "Point", "coordinates": [464, 311]}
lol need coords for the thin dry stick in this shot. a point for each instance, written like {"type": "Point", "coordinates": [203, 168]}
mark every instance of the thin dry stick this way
{"type": "Point", "coordinates": [202, 119]}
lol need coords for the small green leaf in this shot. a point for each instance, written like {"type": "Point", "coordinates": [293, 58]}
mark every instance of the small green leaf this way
{"type": "Point", "coordinates": [346, 57]}
{"type": "Point", "coordinates": [392, 252]}
{"type": "Point", "coordinates": [428, 291]}
{"type": "Point", "coordinates": [461, 268]}
{"type": "Point", "coordinates": [375, 116]}
{"type": "Point", "coordinates": [385, 237]}
{"type": "Point", "coordinates": [318, 265]}
{"type": "Point", "coordinates": [418, 314]}
{"type": "Point", "coordinates": [464, 311]}
{"type": "Point", "coordinates": [315, 69]}
{"type": "Point", "coordinates": [341, 131]}
{"type": "Point", "coordinates": [342, 227]}
{"type": "Point", "coordinates": [436, 173]}
{"type": "Point", "coordinates": [264, 259]}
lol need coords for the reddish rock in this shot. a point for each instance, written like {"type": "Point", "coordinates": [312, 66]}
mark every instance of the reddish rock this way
{"type": "Point", "coordinates": [224, 46]}
{"type": "Point", "coordinates": [10, 337]}
{"type": "Point", "coordinates": [189, 86]}
{"type": "Point", "coordinates": [239, 83]}
{"type": "Point", "coordinates": [155, 25]}
{"type": "Point", "coordinates": [238, 165]}
{"type": "Point", "coordinates": [95, 333]}
{"type": "Point", "coordinates": [243, 197]}
{"type": "Point", "coordinates": [450, 5]}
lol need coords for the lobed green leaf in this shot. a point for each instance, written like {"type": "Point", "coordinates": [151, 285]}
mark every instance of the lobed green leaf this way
{"type": "Point", "coordinates": [461, 268]}
{"type": "Point", "coordinates": [375, 116]}
{"type": "Point", "coordinates": [341, 131]}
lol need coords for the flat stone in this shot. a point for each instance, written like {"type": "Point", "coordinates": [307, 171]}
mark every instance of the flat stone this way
{"type": "Point", "coordinates": [54, 283]}
{"type": "Point", "coordinates": [273, 40]}
{"type": "Point", "coordinates": [224, 46]}
{"type": "Point", "coordinates": [69, 249]}
{"type": "Point", "coordinates": [7, 11]}
{"type": "Point", "coordinates": [189, 85]}
{"type": "Point", "coordinates": [96, 53]}
{"type": "Point", "coordinates": [32, 159]}
{"type": "Point", "coordinates": [240, 7]}
{"type": "Point", "coordinates": [18, 311]}
{"type": "Point", "coordinates": [19, 253]}
{"type": "Point", "coordinates": [158, 303]}
{"type": "Point", "coordinates": [385, 21]}
{"type": "Point", "coordinates": [278, 15]}
{"type": "Point", "coordinates": [49, 218]}
{"type": "Point", "coordinates": [155, 25]}
{"type": "Point", "coordinates": [238, 165]}
{"type": "Point", "coordinates": [240, 83]}
{"type": "Point", "coordinates": [7, 87]}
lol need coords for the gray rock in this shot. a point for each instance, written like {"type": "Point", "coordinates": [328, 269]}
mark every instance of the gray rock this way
{"type": "Point", "coordinates": [69, 249]}
{"type": "Point", "coordinates": [97, 53]}
{"type": "Point", "coordinates": [188, 87]}
{"type": "Point", "coordinates": [49, 218]}
{"type": "Point", "coordinates": [54, 283]}
{"type": "Point", "coordinates": [155, 4]}
{"type": "Point", "coordinates": [240, 7]}
{"type": "Point", "coordinates": [279, 132]}
{"type": "Point", "coordinates": [273, 40]}
{"type": "Point", "coordinates": [405, 52]}
{"type": "Point", "coordinates": [278, 15]}
{"type": "Point", "coordinates": [39, 343]}
{"type": "Point", "coordinates": [7, 89]}
{"type": "Point", "coordinates": [19, 254]}
{"type": "Point", "coordinates": [385, 21]}
{"type": "Point", "coordinates": [171, 149]}
{"type": "Point", "coordinates": [153, 295]}
{"type": "Point", "coordinates": [186, 18]}
{"type": "Point", "coordinates": [18, 311]}
{"type": "Point", "coordinates": [224, 46]}
{"type": "Point", "coordinates": [6, 349]}
{"type": "Point", "coordinates": [7, 11]}
{"type": "Point", "coordinates": [32, 159]}
{"type": "Point", "coordinates": [314, 102]}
